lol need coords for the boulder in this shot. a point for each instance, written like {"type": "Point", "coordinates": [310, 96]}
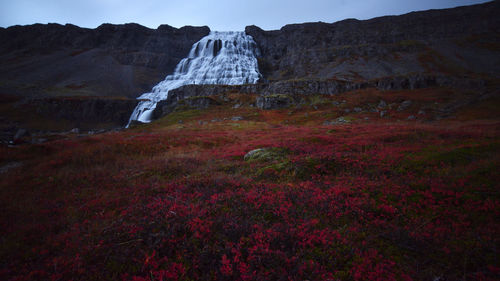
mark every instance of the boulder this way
{"type": "Point", "coordinates": [274, 102]}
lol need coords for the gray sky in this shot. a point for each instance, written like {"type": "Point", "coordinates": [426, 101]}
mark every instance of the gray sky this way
{"type": "Point", "coordinates": [217, 14]}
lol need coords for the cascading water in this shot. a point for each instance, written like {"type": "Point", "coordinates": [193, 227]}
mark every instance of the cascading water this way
{"type": "Point", "coordinates": [227, 58]}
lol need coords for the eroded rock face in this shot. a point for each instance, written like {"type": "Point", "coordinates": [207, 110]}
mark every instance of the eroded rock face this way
{"type": "Point", "coordinates": [384, 46]}
{"type": "Point", "coordinates": [85, 110]}
{"type": "Point", "coordinates": [282, 94]}
{"type": "Point", "coordinates": [274, 101]}
{"type": "Point", "coordinates": [111, 60]}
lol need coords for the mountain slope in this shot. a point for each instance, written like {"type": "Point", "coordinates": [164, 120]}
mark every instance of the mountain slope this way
{"type": "Point", "coordinates": [458, 41]}
{"type": "Point", "coordinates": [111, 60]}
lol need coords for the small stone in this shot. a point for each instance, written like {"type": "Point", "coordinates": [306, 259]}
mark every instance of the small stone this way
{"type": "Point", "coordinates": [236, 118]}
{"type": "Point", "coordinates": [20, 134]}
{"type": "Point", "coordinates": [358, 109]}
{"type": "Point", "coordinates": [412, 117]}
{"type": "Point", "coordinates": [236, 106]}
{"type": "Point", "coordinates": [383, 113]}
{"type": "Point", "coordinates": [382, 104]}
{"type": "Point", "coordinates": [404, 105]}
{"type": "Point", "coordinates": [180, 121]}
{"type": "Point", "coordinates": [421, 112]}
{"type": "Point", "coordinates": [338, 121]}
{"type": "Point", "coordinates": [347, 110]}
{"type": "Point", "coordinates": [75, 131]}
{"type": "Point", "coordinates": [335, 103]}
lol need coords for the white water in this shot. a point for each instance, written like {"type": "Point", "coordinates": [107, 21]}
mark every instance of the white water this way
{"type": "Point", "coordinates": [227, 58]}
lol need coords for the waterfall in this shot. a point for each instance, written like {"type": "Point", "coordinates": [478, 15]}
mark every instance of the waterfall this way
{"type": "Point", "coordinates": [226, 58]}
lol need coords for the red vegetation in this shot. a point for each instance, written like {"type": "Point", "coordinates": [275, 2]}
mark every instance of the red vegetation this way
{"type": "Point", "coordinates": [391, 201]}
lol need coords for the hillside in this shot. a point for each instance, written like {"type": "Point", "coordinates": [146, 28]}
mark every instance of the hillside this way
{"type": "Point", "coordinates": [113, 64]}
{"type": "Point", "coordinates": [330, 195]}
{"type": "Point", "coordinates": [369, 150]}
{"type": "Point", "coordinates": [458, 41]}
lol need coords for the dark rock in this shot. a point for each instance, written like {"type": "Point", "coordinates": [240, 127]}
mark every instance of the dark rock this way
{"type": "Point", "coordinates": [21, 133]}
{"type": "Point", "coordinates": [274, 101]}
{"type": "Point", "coordinates": [382, 104]}
{"type": "Point", "coordinates": [85, 109]}
{"type": "Point", "coordinates": [111, 60]}
{"type": "Point", "coordinates": [320, 49]}
{"type": "Point", "coordinates": [404, 105]}
{"type": "Point", "coordinates": [135, 123]}
{"type": "Point", "coordinates": [339, 121]}
{"type": "Point", "coordinates": [175, 101]}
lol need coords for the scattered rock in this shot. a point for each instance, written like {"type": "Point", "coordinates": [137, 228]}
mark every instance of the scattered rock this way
{"type": "Point", "coordinates": [382, 104]}
{"type": "Point", "coordinates": [135, 123]}
{"type": "Point", "coordinates": [21, 133]}
{"type": "Point", "coordinates": [236, 106]}
{"type": "Point", "coordinates": [358, 109]}
{"type": "Point", "coordinates": [75, 131]}
{"type": "Point", "coordinates": [236, 118]}
{"type": "Point", "coordinates": [274, 101]}
{"type": "Point", "coordinates": [412, 117]}
{"type": "Point", "coordinates": [404, 105]}
{"type": "Point", "coordinates": [9, 166]}
{"type": "Point", "coordinates": [338, 121]}
{"type": "Point", "coordinates": [265, 154]}
{"type": "Point", "coordinates": [38, 141]}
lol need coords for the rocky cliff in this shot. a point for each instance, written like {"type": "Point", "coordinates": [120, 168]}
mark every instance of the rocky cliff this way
{"type": "Point", "coordinates": [451, 41]}
{"type": "Point", "coordinates": [111, 60]}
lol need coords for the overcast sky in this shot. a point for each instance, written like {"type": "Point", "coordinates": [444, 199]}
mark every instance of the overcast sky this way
{"type": "Point", "coordinates": [217, 14]}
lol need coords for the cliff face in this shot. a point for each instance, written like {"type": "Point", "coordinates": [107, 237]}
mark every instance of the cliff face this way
{"type": "Point", "coordinates": [451, 41]}
{"type": "Point", "coordinates": [111, 60]}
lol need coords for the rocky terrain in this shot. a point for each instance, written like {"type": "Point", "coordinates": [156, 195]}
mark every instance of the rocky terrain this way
{"type": "Point", "coordinates": [111, 60]}
{"type": "Point", "coordinates": [463, 40]}
{"type": "Point", "coordinates": [106, 68]}
{"type": "Point", "coordinates": [70, 77]}
{"type": "Point", "coordinates": [370, 151]}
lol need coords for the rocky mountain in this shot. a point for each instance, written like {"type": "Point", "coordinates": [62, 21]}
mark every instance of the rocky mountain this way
{"type": "Point", "coordinates": [74, 76]}
{"type": "Point", "coordinates": [70, 76]}
{"type": "Point", "coordinates": [111, 60]}
{"type": "Point", "coordinates": [458, 41]}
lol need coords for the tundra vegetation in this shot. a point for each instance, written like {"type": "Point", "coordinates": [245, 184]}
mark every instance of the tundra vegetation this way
{"type": "Point", "coordinates": [375, 197]}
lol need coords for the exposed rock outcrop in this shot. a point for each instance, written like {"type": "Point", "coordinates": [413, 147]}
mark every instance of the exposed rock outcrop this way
{"type": "Point", "coordinates": [111, 60]}
{"type": "Point", "coordinates": [85, 110]}
{"type": "Point", "coordinates": [427, 41]}
{"type": "Point", "coordinates": [282, 94]}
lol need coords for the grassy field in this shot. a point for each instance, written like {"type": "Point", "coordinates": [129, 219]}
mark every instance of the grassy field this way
{"type": "Point", "coordinates": [378, 198]}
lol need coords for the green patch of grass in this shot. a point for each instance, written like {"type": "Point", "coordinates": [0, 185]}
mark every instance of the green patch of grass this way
{"type": "Point", "coordinates": [177, 117]}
